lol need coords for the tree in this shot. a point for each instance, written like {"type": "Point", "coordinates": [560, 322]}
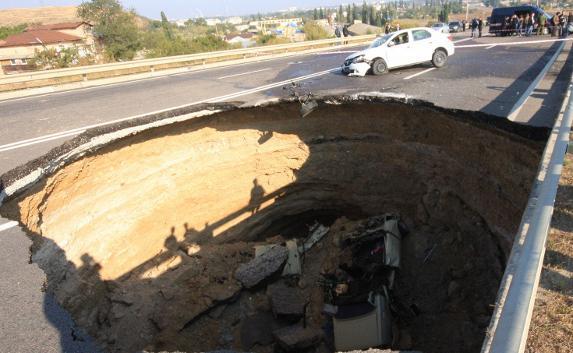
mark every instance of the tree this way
{"type": "Point", "coordinates": [349, 18]}
{"type": "Point", "coordinates": [364, 12]}
{"type": "Point", "coordinates": [166, 25]}
{"type": "Point", "coordinates": [113, 26]}
{"type": "Point", "coordinates": [321, 13]}
{"type": "Point", "coordinates": [315, 15]}
{"type": "Point", "coordinates": [340, 14]}
{"type": "Point", "coordinates": [354, 12]}
{"type": "Point", "coordinates": [8, 31]}
{"type": "Point", "coordinates": [379, 21]}
{"type": "Point", "coordinates": [372, 13]}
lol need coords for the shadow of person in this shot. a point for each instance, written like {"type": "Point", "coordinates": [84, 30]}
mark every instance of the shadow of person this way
{"type": "Point", "coordinates": [257, 195]}
{"type": "Point", "coordinates": [171, 243]}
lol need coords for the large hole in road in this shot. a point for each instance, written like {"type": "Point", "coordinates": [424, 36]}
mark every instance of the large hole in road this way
{"type": "Point", "coordinates": [149, 240]}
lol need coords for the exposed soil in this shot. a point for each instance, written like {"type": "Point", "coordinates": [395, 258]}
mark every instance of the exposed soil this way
{"type": "Point", "coordinates": [141, 239]}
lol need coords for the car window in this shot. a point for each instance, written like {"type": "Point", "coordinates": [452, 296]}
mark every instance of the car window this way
{"type": "Point", "coordinates": [401, 38]}
{"type": "Point", "coordinates": [379, 41]}
{"type": "Point", "coordinates": [420, 34]}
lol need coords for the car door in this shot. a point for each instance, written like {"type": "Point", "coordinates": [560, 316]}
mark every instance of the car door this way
{"type": "Point", "coordinates": [422, 44]}
{"type": "Point", "coordinates": [400, 52]}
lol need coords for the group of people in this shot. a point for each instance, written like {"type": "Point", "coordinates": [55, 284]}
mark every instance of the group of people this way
{"type": "Point", "coordinates": [476, 26]}
{"type": "Point", "coordinates": [342, 32]}
{"type": "Point", "coordinates": [526, 24]}
{"type": "Point", "coordinates": [388, 28]}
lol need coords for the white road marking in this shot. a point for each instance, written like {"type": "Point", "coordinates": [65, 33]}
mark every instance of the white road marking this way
{"type": "Point", "coordinates": [243, 73]}
{"type": "Point", "coordinates": [462, 40]}
{"type": "Point", "coordinates": [521, 101]}
{"type": "Point", "coordinates": [491, 46]}
{"type": "Point", "coordinates": [336, 52]}
{"type": "Point", "coordinates": [8, 225]}
{"type": "Point", "coordinates": [513, 43]}
{"type": "Point", "coordinates": [419, 73]}
{"type": "Point", "coordinates": [68, 133]}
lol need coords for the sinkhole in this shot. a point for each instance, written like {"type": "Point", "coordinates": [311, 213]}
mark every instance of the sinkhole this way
{"type": "Point", "coordinates": [141, 227]}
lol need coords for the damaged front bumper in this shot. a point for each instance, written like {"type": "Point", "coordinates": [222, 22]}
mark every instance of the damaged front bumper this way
{"type": "Point", "coordinates": [356, 69]}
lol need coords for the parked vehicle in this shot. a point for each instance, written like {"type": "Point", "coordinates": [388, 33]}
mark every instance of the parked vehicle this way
{"type": "Point", "coordinates": [499, 14]}
{"type": "Point", "coordinates": [441, 27]}
{"type": "Point", "coordinates": [403, 48]}
{"type": "Point", "coordinates": [455, 26]}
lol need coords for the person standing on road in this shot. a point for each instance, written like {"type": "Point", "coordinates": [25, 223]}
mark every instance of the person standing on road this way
{"type": "Point", "coordinates": [569, 23]}
{"type": "Point", "coordinates": [474, 27]}
{"type": "Point", "coordinates": [528, 25]}
{"type": "Point", "coordinates": [338, 34]}
{"type": "Point", "coordinates": [515, 25]}
{"type": "Point", "coordinates": [345, 33]}
{"type": "Point", "coordinates": [480, 26]}
{"type": "Point", "coordinates": [555, 20]}
{"type": "Point", "coordinates": [397, 26]}
{"type": "Point", "coordinates": [387, 28]}
{"type": "Point", "coordinates": [464, 25]}
{"type": "Point", "coordinates": [541, 25]}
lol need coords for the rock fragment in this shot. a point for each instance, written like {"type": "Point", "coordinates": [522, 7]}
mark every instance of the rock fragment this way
{"type": "Point", "coordinates": [261, 267]}
{"type": "Point", "coordinates": [296, 338]}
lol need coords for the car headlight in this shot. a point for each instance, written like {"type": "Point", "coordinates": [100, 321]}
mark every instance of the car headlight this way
{"type": "Point", "coordinates": [358, 59]}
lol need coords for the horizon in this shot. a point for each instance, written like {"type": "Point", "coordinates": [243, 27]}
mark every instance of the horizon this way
{"type": "Point", "coordinates": [188, 9]}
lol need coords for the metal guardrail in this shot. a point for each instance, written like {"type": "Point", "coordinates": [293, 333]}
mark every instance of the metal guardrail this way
{"type": "Point", "coordinates": [196, 59]}
{"type": "Point", "coordinates": [510, 323]}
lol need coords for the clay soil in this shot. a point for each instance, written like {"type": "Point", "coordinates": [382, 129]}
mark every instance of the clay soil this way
{"type": "Point", "coordinates": [141, 239]}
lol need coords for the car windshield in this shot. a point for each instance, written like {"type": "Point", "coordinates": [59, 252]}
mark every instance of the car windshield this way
{"type": "Point", "coordinates": [380, 40]}
{"type": "Point", "coordinates": [437, 25]}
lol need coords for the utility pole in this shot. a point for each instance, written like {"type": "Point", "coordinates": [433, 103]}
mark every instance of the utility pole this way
{"type": "Point", "coordinates": [467, 9]}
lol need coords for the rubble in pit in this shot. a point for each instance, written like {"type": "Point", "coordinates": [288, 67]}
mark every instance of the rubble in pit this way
{"type": "Point", "coordinates": [293, 313]}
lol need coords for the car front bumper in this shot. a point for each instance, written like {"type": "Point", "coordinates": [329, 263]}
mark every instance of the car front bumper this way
{"type": "Point", "coordinates": [356, 69]}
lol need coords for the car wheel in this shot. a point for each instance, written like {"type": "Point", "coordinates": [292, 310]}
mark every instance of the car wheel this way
{"type": "Point", "coordinates": [440, 58]}
{"type": "Point", "coordinates": [379, 67]}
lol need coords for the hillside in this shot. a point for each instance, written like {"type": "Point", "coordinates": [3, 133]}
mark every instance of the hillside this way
{"type": "Point", "coordinates": [43, 15]}
{"type": "Point", "coordinates": [47, 15]}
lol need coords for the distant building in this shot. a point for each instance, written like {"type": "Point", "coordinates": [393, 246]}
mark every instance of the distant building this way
{"type": "Point", "coordinates": [213, 21]}
{"type": "Point", "coordinates": [234, 20]}
{"type": "Point", "coordinates": [242, 28]}
{"type": "Point", "coordinates": [17, 50]}
{"type": "Point", "coordinates": [281, 27]}
{"type": "Point", "coordinates": [245, 39]}
{"type": "Point", "coordinates": [179, 23]}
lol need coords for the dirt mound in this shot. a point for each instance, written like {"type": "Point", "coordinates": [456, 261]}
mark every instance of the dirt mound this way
{"type": "Point", "coordinates": [141, 238]}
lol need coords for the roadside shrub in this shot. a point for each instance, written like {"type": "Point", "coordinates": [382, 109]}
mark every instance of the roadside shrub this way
{"type": "Point", "coordinates": [314, 31]}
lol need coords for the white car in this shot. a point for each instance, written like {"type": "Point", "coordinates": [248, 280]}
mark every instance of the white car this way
{"type": "Point", "coordinates": [402, 48]}
{"type": "Point", "coordinates": [441, 27]}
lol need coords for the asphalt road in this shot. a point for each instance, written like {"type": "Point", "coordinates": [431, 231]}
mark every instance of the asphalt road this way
{"type": "Point", "coordinates": [490, 78]}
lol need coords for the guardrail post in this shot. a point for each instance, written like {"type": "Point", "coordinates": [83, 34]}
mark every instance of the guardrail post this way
{"type": "Point", "coordinates": [152, 68]}
{"type": "Point", "coordinates": [85, 77]}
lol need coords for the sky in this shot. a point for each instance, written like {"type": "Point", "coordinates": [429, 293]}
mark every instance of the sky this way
{"type": "Point", "coordinates": [182, 9]}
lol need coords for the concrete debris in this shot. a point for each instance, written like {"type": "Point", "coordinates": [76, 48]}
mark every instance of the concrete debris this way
{"type": "Point", "coordinates": [293, 266]}
{"type": "Point", "coordinates": [296, 338]}
{"type": "Point", "coordinates": [287, 302]}
{"type": "Point", "coordinates": [318, 231]}
{"type": "Point", "coordinates": [267, 263]}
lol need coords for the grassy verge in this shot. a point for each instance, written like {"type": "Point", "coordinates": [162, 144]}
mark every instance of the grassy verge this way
{"type": "Point", "coordinates": [551, 328]}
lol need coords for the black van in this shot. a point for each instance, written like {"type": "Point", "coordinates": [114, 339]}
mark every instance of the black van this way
{"type": "Point", "coordinates": [500, 13]}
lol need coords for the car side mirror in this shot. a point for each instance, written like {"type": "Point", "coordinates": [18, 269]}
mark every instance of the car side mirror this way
{"type": "Point", "coordinates": [391, 43]}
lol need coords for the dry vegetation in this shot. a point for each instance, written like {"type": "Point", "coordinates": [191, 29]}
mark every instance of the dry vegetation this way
{"type": "Point", "coordinates": [44, 15]}
{"type": "Point", "coordinates": [552, 323]}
